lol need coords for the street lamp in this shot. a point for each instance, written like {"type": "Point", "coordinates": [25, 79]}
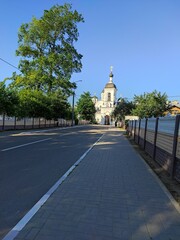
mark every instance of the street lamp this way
{"type": "Point", "coordinates": [72, 123]}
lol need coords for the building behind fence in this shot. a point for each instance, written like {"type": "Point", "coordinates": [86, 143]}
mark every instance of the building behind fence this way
{"type": "Point", "coordinates": [13, 123]}
{"type": "Point", "coordinates": [160, 138]}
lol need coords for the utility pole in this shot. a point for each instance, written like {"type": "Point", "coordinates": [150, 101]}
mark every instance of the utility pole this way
{"type": "Point", "coordinates": [72, 121]}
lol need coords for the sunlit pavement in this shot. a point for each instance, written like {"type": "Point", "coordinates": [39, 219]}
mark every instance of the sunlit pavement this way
{"type": "Point", "coordinates": [111, 194]}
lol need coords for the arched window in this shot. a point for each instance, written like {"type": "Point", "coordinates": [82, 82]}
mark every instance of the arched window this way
{"type": "Point", "coordinates": [109, 96]}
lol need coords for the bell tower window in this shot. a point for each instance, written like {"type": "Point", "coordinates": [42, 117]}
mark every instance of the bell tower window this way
{"type": "Point", "coordinates": [109, 97]}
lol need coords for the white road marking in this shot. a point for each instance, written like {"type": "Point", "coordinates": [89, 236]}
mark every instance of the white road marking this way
{"type": "Point", "coordinates": [26, 144]}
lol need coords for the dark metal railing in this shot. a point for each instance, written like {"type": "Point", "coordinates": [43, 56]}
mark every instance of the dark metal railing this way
{"type": "Point", "coordinates": [160, 138]}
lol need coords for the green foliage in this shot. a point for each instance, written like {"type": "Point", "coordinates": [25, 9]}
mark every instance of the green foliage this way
{"type": "Point", "coordinates": [122, 109]}
{"type": "Point", "coordinates": [8, 100]}
{"type": "Point", "coordinates": [85, 107]}
{"type": "Point", "coordinates": [48, 59]}
{"type": "Point", "coordinates": [150, 105]}
{"type": "Point", "coordinates": [32, 103]}
{"type": "Point", "coordinates": [35, 103]}
{"type": "Point", "coordinates": [58, 106]}
{"type": "Point", "coordinates": [46, 46]}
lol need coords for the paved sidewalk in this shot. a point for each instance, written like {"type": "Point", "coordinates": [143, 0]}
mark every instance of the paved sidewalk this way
{"type": "Point", "coordinates": [111, 194]}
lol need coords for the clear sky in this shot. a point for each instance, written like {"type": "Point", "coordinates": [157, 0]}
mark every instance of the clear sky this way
{"type": "Point", "coordinates": [139, 38]}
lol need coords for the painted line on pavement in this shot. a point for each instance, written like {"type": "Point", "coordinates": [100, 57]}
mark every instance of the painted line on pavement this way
{"type": "Point", "coordinates": [26, 144]}
{"type": "Point", "coordinates": [21, 224]}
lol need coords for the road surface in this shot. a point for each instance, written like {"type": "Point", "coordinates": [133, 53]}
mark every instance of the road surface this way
{"type": "Point", "coordinates": [32, 161]}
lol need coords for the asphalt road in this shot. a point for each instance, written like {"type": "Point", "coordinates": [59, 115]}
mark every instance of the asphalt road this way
{"type": "Point", "coordinates": [32, 161]}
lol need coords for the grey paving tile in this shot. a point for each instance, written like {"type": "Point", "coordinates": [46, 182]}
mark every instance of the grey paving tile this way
{"type": "Point", "coordinates": [47, 234]}
{"type": "Point", "coordinates": [23, 233]}
{"type": "Point", "coordinates": [32, 234]}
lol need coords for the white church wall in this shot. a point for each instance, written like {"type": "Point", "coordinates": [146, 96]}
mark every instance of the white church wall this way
{"type": "Point", "coordinates": [105, 106]}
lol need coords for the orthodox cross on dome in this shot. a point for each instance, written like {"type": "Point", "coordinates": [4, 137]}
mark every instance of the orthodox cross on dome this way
{"type": "Point", "coordinates": [111, 75]}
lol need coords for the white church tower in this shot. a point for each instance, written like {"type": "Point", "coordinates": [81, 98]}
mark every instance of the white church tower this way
{"type": "Point", "coordinates": [106, 105]}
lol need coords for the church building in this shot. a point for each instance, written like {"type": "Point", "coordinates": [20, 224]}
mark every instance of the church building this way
{"type": "Point", "coordinates": [106, 105]}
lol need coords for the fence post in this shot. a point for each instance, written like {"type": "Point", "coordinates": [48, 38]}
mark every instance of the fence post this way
{"type": "Point", "coordinates": [14, 123]}
{"type": "Point", "coordinates": [132, 122]}
{"type": "Point", "coordinates": [155, 138]}
{"type": "Point", "coordinates": [3, 126]}
{"type": "Point", "coordinates": [135, 129]}
{"type": "Point", "coordinates": [175, 141]}
{"type": "Point", "coordinates": [139, 130]}
{"type": "Point", "coordinates": [145, 132]}
{"type": "Point", "coordinates": [24, 122]}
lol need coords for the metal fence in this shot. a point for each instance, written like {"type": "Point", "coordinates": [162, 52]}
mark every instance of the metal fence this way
{"type": "Point", "coordinates": [160, 138]}
{"type": "Point", "coordinates": [13, 123]}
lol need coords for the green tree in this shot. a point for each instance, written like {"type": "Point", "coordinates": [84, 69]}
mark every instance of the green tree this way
{"type": "Point", "coordinates": [8, 100]}
{"type": "Point", "coordinates": [123, 108]}
{"type": "Point", "coordinates": [58, 106]}
{"type": "Point", "coordinates": [46, 48]}
{"type": "Point", "coordinates": [85, 107]}
{"type": "Point", "coordinates": [32, 103]}
{"type": "Point", "coordinates": [150, 104]}
{"type": "Point", "coordinates": [35, 103]}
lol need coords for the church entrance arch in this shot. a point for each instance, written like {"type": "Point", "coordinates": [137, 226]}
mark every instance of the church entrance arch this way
{"type": "Point", "coordinates": [106, 120]}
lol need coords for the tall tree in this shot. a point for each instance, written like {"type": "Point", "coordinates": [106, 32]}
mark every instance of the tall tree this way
{"type": "Point", "coordinates": [85, 107]}
{"type": "Point", "coordinates": [123, 108]}
{"type": "Point", "coordinates": [32, 103]}
{"type": "Point", "coordinates": [58, 106]}
{"type": "Point", "coordinates": [8, 100]}
{"type": "Point", "coordinates": [46, 48]}
{"type": "Point", "coordinates": [35, 103]}
{"type": "Point", "coordinates": [150, 104]}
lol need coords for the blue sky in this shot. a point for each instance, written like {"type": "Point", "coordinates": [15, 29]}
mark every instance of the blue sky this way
{"type": "Point", "coordinates": [139, 38]}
